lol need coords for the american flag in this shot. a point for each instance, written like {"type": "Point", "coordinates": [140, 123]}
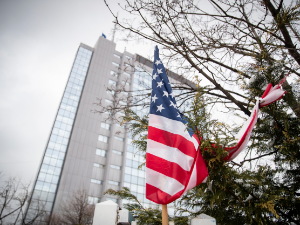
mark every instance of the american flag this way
{"type": "Point", "coordinates": [174, 163]}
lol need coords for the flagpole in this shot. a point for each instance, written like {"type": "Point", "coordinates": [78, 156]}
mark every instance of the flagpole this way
{"type": "Point", "coordinates": [164, 214]}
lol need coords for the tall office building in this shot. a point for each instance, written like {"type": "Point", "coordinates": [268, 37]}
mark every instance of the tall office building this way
{"type": "Point", "coordinates": [85, 150]}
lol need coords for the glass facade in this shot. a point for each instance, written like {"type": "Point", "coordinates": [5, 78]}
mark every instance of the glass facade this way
{"type": "Point", "coordinates": [48, 178]}
{"type": "Point", "coordinates": [135, 178]}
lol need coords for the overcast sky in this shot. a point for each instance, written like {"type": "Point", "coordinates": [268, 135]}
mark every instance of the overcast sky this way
{"type": "Point", "coordinates": [38, 42]}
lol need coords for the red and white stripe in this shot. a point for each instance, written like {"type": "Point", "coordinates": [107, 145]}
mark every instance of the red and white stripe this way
{"type": "Point", "coordinates": [270, 95]}
{"type": "Point", "coordinates": [173, 162]}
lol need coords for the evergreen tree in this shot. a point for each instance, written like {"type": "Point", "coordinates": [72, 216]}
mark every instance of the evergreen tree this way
{"type": "Point", "coordinates": [246, 44]}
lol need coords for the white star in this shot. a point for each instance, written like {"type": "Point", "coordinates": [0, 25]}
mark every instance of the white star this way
{"type": "Point", "coordinates": [178, 115]}
{"type": "Point", "coordinates": [154, 76]}
{"type": "Point", "coordinates": [172, 94]}
{"type": "Point", "coordinates": [165, 93]}
{"type": "Point", "coordinates": [159, 71]}
{"type": "Point", "coordinates": [159, 108]}
{"type": "Point", "coordinates": [157, 62]}
{"type": "Point", "coordinates": [172, 104]}
{"type": "Point", "coordinates": [154, 98]}
{"type": "Point", "coordinates": [159, 84]}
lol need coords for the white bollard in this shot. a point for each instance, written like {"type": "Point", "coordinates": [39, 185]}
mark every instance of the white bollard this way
{"type": "Point", "coordinates": [106, 213]}
{"type": "Point", "coordinates": [203, 219]}
{"type": "Point", "coordinates": [123, 216]}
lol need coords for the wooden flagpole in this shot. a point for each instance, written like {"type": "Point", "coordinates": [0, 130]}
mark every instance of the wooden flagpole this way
{"type": "Point", "coordinates": [164, 214]}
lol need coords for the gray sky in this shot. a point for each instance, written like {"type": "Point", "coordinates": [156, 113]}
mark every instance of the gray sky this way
{"type": "Point", "coordinates": [38, 42]}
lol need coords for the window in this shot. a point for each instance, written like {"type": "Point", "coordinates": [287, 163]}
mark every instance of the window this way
{"type": "Point", "coordinates": [103, 138]}
{"type": "Point", "coordinates": [125, 93]}
{"type": "Point", "coordinates": [115, 167]}
{"type": "Point", "coordinates": [117, 152]}
{"type": "Point", "coordinates": [122, 103]}
{"type": "Point", "coordinates": [114, 182]}
{"type": "Point", "coordinates": [123, 126]}
{"type": "Point", "coordinates": [105, 126]}
{"type": "Point", "coordinates": [112, 199]}
{"type": "Point", "coordinates": [109, 101]}
{"type": "Point", "coordinates": [119, 57]}
{"type": "Point", "coordinates": [112, 82]}
{"type": "Point", "coordinates": [93, 200]}
{"type": "Point", "coordinates": [98, 165]}
{"type": "Point", "coordinates": [118, 138]}
{"type": "Point", "coordinates": [113, 73]}
{"type": "Point", "coordinates": [128, 57]}
{"type": "Point", "coordinates": [122, 114]}
{"type": "Point", "coordinates": [96, 181]}
{"type": "Point", "coordinates": [116, 64]}
{"type": "Point", "coordinates": [125, 82]}
{"type": "Point", "coordinates": [127, 74]}
{"type": "Point", "coordinates": [111, 92]}
{"type": "Point", "coordinates": [101, 152]}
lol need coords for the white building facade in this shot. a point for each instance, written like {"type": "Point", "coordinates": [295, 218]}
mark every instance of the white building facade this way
{"type": "Point", "coordinates": [85, 150]}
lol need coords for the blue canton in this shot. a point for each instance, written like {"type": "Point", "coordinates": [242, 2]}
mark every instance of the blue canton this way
{"type": "Point", "coordinates": [162, 97]}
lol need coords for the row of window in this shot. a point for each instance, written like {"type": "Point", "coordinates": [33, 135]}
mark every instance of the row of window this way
{"type": "Point", "coordinates": [114, 83]}
{"type": "Point", "coordinates": [66, 113]}
{"type": "Point", "coordinates": [116, 64]}
{"type": "Point", "coordinates": [119, 57]}
{"type": "Point", "coordinates": [59, 139]}
{"type": "Point", "coordinates": [72, 85]}
{"type": "Point", "coordinates": [111, 92]}
{"type": "Point", "coordinates": [115, 74]}
{"type": "Point", "coordinates": [134, 179]}
{"type": "Point", "coordinates": [115, 167]}
{"type": "Point", "coordinates": [62, 133]}
{"type": "Point", "coordinates": [114, 182]}
{"type": "Point", "coordinates": [102, 152]}
{"type": "Point", "coordinates": [135, 188]}
{"type": "Point", "coordinates": [80, 66]}
{"type": "Point", "coordinates": [135, 172]}
{"type": "Point", "coordinates": [105, 138]}
{"type": "Point", "coordinates": [93, 200]}
{"type": "Point", "coordinates": [95, 181]}
{"type": "Point", "coordinates": [98, 165]}
{"type": "Point", "coordinates": [53, 161]}
{"type": "Point", "coordinates": [57, 146]}
{"type": "Point", "coordinates": [105, 126]}
{"type": "Point", "coordinates": [111, 166]}
{"type": "Point", "coordinates": [78, 74]}
{"type": "Point", "coordinates": [48, 178]}
{"type": "Point", "coordinates": [42, 196]}
{"type": "Point", "coordinates": [55, 154]}
{"type": "Point", "coordinates": [109, 101]}
{"type": "Point", "coordinates": [68, 107]}
{"type": "Point", "coordinates": [135, 157]}
{"type": "Point", "coordinates": [112, 199]}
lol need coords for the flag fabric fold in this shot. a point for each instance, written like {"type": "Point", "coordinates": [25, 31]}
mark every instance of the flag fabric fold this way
{"type": "Point", "coordinates": [174, 163]}
{"type": "Point", "coordinates": [270, 95]}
